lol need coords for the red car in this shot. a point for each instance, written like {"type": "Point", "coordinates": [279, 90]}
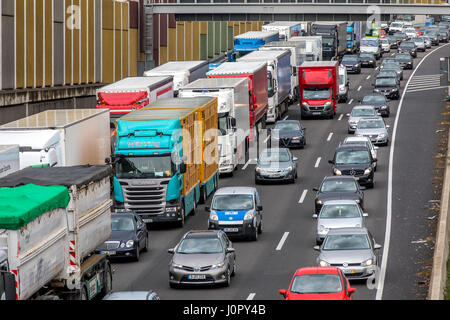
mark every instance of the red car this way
{"type": "Point", "coordinates": [318, 283]}
{"type": "Point", "coordinates": [382, 34]}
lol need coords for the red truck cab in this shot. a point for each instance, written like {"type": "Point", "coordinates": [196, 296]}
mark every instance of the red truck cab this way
{"type": "Point", "coordinates": [319, 88]}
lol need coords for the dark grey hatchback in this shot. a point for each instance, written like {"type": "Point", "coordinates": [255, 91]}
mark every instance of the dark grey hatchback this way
{"type": "Point", "coordinates": [287, 134]}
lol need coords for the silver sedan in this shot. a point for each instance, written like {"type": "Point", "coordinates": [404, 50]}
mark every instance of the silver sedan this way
{"type": "Point", "coordinates": [338, 214]}
{"type": "Point", "coordinates": [353, 250]}
{"type": "Point", "coordinates": [359, 112]}
{"type": "Point", "coordinates": [373, 128]}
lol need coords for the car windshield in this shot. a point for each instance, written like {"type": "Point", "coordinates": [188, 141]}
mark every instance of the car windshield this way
{"type": "Point", "coordinates": [336, 211]}
{"type": "Point", "coordinates": [268, 156]}
{"type": "Point", "coordinates": [363, 112]}
{"type": "Point", "coordinates": [316, 283]}
{"type": "Point", "coordinates": [122, 224]}
{"type": "Point", "coordinates": [350, 58]}
{"type": "Point", "coordinates": [352, 157]}
{"type": "Point", "coordinates": [407, 45]}
{"type": "Point", "coordinates": [383, 82]}
{"type": "Point", "coordinates": [316, 94]}
{"type": "Point", "coordinates": [232, 202]}
{"type": "Point", "coordinates": [287, 126]}
{"type": "Point", "coordinates": [338, 186]}
{"type": "Point", "coordinates": [346, 242]}
{"type": "Point", "coordinates": [372, 99]}
{"type": "Point", "coordinates": [384, 41]}
{"type": "Point", "coordinates": [402, 56]}
{"type": "Point", "coordinates": [200, 245]}
{"type": "Point", "coordinates": [418, 40]}
{"type": "Point", "coordinates": [425, 38]}
{"type": "Point", "coordinates": [366, 55]}
{"type": "Point", "coordinates": [396, 25]}
{"type": "Point", "coordinates": [144, 167]}
{"type": "Point", "coordinates": [369, 43]}
{"type": "Point", "coordinates": [370, 124]}
{"type": "Point", "coordinates": [387, 74]}
{"type": "Point", "coordinates": [391, 66]}
{"type": "Point", "coordinates": [327, 41]}
{"type": "Point", "coordinates": [410, 30]}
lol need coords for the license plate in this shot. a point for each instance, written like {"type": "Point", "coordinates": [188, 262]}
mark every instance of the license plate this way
{"type": "Point", "coordinates": [231, 229]}
{"type": "Point", "coordinates": [274, 175]}
{"type": "Point", "coordinates": [316, 113]}
{"type": "Point", "coordinates": [109, 253]}
{"type": "Point", "coordinates": [197, 276]}
{"type": "Point", "coordinates": [147, 220]}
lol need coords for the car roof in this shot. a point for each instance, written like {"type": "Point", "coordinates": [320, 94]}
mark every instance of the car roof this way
{"type": "Point", "coordinates": [351, 147]}
{"type": "Point", "coordinates": [362, 106]}
{"type": "Point", "coordinates": [287, 121]}
{"type": "Point", "coordinates": [372, 118]}
{"type": "Point", "coordinates": [129, 214]}
{"type": "Point", "coordinates": [374, 94]}
{"type": "Point", "coordinates": [342, 201]}
{"type": "Point", "coordinates": [235, 190]}
{"type": "Point", "coordinates": [202, 234]}
{"type": "Point", "coordinates": [316, 270]}
{"type": "Point", "coordinates": [351, 230]}
{"type": "Point", "coordinates": [357, 139]}
{"type": "Point", "coordinates": [339, 178]}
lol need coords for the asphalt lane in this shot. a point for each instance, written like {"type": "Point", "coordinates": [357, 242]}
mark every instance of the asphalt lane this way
{"type": "Point", "coordinates": [261, 268]}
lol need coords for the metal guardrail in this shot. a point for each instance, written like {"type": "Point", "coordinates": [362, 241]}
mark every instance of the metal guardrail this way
{"type": "Point", "coordinates": [287, 2]}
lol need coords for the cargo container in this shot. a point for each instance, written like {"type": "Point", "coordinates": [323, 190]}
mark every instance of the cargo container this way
{"type": "Point", "coordinates": [250, 41]}
{"type": "Point", "coordinates": [60, 216]}
{"type": "Point", "coordinates": [183, 72]}
{"type": "Point", "coordinates": [278, 79]}
{"type": "Point", "coordinates": [60, 137]}
{"type": "Point", "coordinates": [9, 159]}
{"type": "Point", "coordinates": [285, 29]}
{"type": "Point", "coordinates": [334, 36]}
{"type": "Point", "coordinates": [133, 93]}
{"type": "Point", "coordinates": [233, 117]}
{"type": "Point", "coordinates": [310, 48]}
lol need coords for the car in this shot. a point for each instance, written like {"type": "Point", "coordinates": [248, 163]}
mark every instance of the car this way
{"type": "Point", "coordinates": [275, 165]}
{"type": "Point", "coordinates": [407, 47]}
{"type": "Point", "coordinates": [132, 295]}
{"type": "Point", "coordinates": [352, 63]}
{"type": "Point", "coordinates": [394, 42]}
{"type": "Point", "coordinates": [357, 113]}
{"type": "Point", "coordinates": [443, 35]}
{"type": "Point", "coordinates": [356, 161]}
{"type": "Point", "coordinates": [343, 84]}
{"type": "Point", "coordinates": [382, 33]}
{"type": "Point", "coordinates": [401, 36]}
{"type": "Point", "coordinates": [368, 59]}
{"type": "Point", "coordinates": [287, 134]}
{"type": "Point", "coordinates": [237, 211]}
{"type": "Point", "coordinates": [388, 73]}
{"type": "Point", "coordinates": [318, 283]}
{"type": "Point", "coordinates": [390, 87]}
{"type": "Point", "coordinates": [364, 141]}
{"type": "Point", "coordinates": [338, 188]}
{"type": "Point", "coordinates": [385, 45]}
{"type": "Point", "coordinates": [370, 44]}
{"type": "Point", "coordinates": [393, 66]}
{"type": "Point", "coordinates": [378, 101]}
{"type": "Point", "coordinates": [405, 60]}
{"type": "Point", "coordinates": [202, 257]}
{"type": "Point", "coordinates": [129, 236]}
{"type": "Point", "coordinates": [338, 214]}
{"type": "Point", "coordinates": [420, 44]}
{"type": "Point", "coordinates": [433, 34]}
{"type": "Point", "coordinates": [427, 41]}
{"type": "Point", "coordinates": [375, 129]}
{"type": "Point", "coordinates": [410, 32]}
{"type": "Point", "coordinates": [353, 250]}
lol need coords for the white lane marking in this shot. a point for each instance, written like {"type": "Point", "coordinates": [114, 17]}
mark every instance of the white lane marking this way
{"type": "Point", "coordinates": [286, 117]}
{"type": "Point", "coordinates": [340, 117]}
{"type": "Point", "coordinates": [303, 196]}
{"type": "Point", "coordinates": [387, 235]}
{"type": "Point", "coordinates": [317, 162]}
{"type": "Point", "coordinates": [283, 239]}
{"type": "Point", "coordinates": [329, 136]}
{"type": "Point", "coordinates": [359, 88]}
{"type": "Point", "coordinates": [350, 102]}
{"type": "Point", "coordinates": [424, 89]}
{"type": "Point", "coordinates": [246, 164]}
{"type": "Point", "coordinates": [251, 296]}
{"type": "Point", "coordinates": [368, 77]}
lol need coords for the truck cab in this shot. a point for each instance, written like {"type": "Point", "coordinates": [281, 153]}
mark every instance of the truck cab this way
{"type": "Point", "coordinates": [351, 37]}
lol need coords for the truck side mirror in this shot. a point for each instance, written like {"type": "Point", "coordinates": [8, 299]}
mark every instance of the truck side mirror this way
{"type": "Point", "coordinates": [233, 122]}
{"type": "Point", "coordinates": [183, 168]}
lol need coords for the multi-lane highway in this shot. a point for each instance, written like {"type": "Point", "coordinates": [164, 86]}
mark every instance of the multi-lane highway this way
{"type": "Point", "coordinates": [397, 205]}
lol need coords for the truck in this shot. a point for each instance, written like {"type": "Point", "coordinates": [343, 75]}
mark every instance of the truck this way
{"type": "Point", "coordinates": [311, 48]}
{"type": "Point", "coordinates": [278, 79]}
{"type": "Point", "coordinates": [9, 159]}
{"type": "Point", "coordinates": [49, 227]}
{"type": "Point", "coordinates": [132, 93]}
{"type": "Point", "coordinates": [334, 38]}
{"type": "Point", "coordinates": [183, 72]}
{"type": "Point", "coordinates": [371, 45]}
{"type": "Point", "coordinates": [233, 117]}
{"type": "Point", "coordinates": [285, 29]}
{"type": "Point", "coordinates": [319, 88]}
{"type": "Point", "coordinates": [256, 74]}
{"type": "Point", "coordinates": [166, 158]}
{"type": "Point", "coordinates": [65, 137]}
{"type": "Point", "coordinates": [250, 41]}
{"type": "Point", "coordinates": [352, 37]}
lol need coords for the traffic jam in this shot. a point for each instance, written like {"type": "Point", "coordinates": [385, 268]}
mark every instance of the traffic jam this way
{"type": "Point", "coordinates": [201, 152]}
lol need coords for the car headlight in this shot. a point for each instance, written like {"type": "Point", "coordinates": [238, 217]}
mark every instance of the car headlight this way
{"type": "Point", "coordinates": [217, 266]}
{"type": "Point", "coordinates": [323, 263]}
{"type": "Point", "coordinates": [305, 104]}
{"type": "Point", "coordinates": [213, 216]}
{"type": "Point", "coordinates": [394, 89]}
{"type": "Point", "coordinates": [258, 169]}
{"type": "Point", "coordinates": [356, 65]}
{"type": "Point", "coordinates": [383, 107]}
{"type": "Point", "coordinates": [296, 138]}
{"type": "Point", "coordinates": [368, 262]}
{"type": "Point", "coordinates": [249, 215]}
{"type": "Point", "coordinates": [122, 244]}
{"type": "Point", "coordinates": [376, 90]}
{"type": "Point", "coordinates": [318, 201]}
{"type": "Point", "coordinates": [288, 169]}
{"type": "Point", "coordinates": [382, 135]}
{"type": "Point", "coordinates": [337, 172]}
{"type": "Point", "coordinates": [130, 243]}
{"type": "Point", "coordinates": [368, 170]}
{"type": "Point", "coordinates": [370, 61]}
{"type": "Point", "coordinates": [327, 104]}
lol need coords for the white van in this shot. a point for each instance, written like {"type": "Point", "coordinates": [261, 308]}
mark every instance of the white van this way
{"type": "Point", "coordinates": [371, 45]}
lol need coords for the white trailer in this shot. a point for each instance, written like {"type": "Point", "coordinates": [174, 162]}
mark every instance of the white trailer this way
{"type": "Point", "coordinates": [233, 117]}
{"type": "Point", "coordinates": [183, 72]}
{"type": "Point", "coordinates": [9, 159]}
{"type": "Point", "coordinates": [286, 29]}
{"type": "Point", "coordinates": [311, 48]}
{"type": "Point", "coordinates": [60, 137]}
{"type": "Point", "coordinates": [49, 251]}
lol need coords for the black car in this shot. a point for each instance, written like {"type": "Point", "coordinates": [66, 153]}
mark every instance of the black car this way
{"type": "Point", "coordinates": [129, 236]}
{"type": "Point", "coordinates": [287, 134]}
{"type": "Point", "coordinates": [393, 41]}
{"type": "Point", "coordinates": [379, 102]}
{"type": "Point", "coordinates": [400, 36]}
{"type": "Point", "coordinates": [388, 73]}
{"type": "Point", "coordinates": [408, 47]}
{"type": "Point", "coordinates": [352, 63]}
{"type": "Point", "coordinates": [390, 87]}
{"type": "Point", "coordinates": [433, 34]}
{"type": "Point", "coordinates": [338, 188]}
{"type": "Point", "coordinates": [405, 60]}
{"type": "Point", "coordinates": [368, 59]}
{"type": "Point", "coordinates": [354, 160]}
{"type": "Point", "coordinates": [443, 35]}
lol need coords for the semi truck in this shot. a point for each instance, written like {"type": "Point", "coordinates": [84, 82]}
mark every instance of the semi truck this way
{"type": "Point", "coordinates": [278, 79]}
{"type": "Point", "coordinates": [183, 72]}
{"type": "Point", "coordinates": [133, 93]}
{"type": "Point", "coordinates": [166, 158]}
{"type": "Point", "coordinates": [256, 74]}
{"type": "Point", "coordinates": [49, 227]}
{"type": "Point", "coordinates": [9, 159]}
{"type": "Point", "coordinates": [334, 35]}
{"type": "Point", "coordinates": [233, 117]}
{"type": "Point", "coordinates": [353, 36]}
{"type": "Point", "coordinates": [319, 88]}
{"type": "Point", "coordinates": [60, 137]}
{"type": "Point", "coordinates": [250, 41]}
{"type": "Point", "coordinates": [285, 29]}
{"type": "Point", "coordinates": [311, 48]}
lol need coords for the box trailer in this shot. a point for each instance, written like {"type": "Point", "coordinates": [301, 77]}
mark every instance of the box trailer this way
{"type": "Point", "coordinates": [9, 159]}
{"type": "Point", "coordinates": [285, 29]}
{"type": "Point", "coordinates": [250, 41]}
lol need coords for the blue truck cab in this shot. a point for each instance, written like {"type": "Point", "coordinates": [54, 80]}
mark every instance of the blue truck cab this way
{"type": "Point", "coordinates": [250, 41]}
{"type": "Point", "coordinates": [237, 211]}
{"type": "Point", "coordinates": [351, 37]}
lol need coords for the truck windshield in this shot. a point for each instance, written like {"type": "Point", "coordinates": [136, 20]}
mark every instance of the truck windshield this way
{"type": "Point", "coordinates": [270, 91]}
{"type": "Point", "coordinates": [349, 37]}
{"type": "Point", "coordinates": [327, 41]}
{"type": "Point", "coordinates": [230, 202]}
{"type": "Point", "coordinates": [316, 94]}
{"type": "Point", "coordinates": [223, 124]}
{"type": "Point", "coordinates": [144, 167]}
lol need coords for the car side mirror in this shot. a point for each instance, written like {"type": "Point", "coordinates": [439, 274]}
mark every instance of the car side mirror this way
{"type": "Point", "coordinates": [347, 115]}
{"type": "Point", "coordinates": [207, 208]}
{"type": "Point", "coordinates": [260, 208]}
{"type": "Point", "coordinates": [376, 147]}
{"type": "Point", "coordinates": [294, 158]}
{"type": "Point", "coordinates": [230, 250]}
{"type": "Point", "coordinates": [315, 216]}
{"type": "Point", "coordinates": [283, 292]}
{"type": "Point", "coordinates": [351, 291]}
{"type": "Point", "coordinates": [315, 189]}
{"type": "Point", "coordinates": [233, 122]}
{"type": "Point", "coordinates": [317, 248]}
{"type": "Point", "coordinates": [362, 188]}
{"type": "Point", "coordinates": [171, 250]}
{"type": "Point", "coordinates": [365, 214]}
{"type": "Point", "coordinates": [374, 160]}
{"type": "Point", "coordinates": [331, 161]}
{"type": "Point", "coordinates": [107, 161]}
{"type": "Point", "coordinates": [388, 126]}
{"type": "Point", "coordinates": [377, 246]}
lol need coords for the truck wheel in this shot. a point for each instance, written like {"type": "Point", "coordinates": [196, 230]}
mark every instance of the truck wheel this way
{"type": "Point", "coordinates": [181, 223]}
{"type": "Point", "coordinates": [203, 195]}
{"type": "Point", "coordinates": [107, 281]}
{"type": "Point", "coordinates": [83, 294]}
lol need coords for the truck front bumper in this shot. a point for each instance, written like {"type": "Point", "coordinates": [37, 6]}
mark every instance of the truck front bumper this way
{"type": "Point", "coordinates": [243, 230]}
{"type": "Point", "coordinates": [326, 112]}
{"type": "Point", "coordinates": [168, 216]}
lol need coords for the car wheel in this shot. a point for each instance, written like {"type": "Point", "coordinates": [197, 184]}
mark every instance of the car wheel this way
{"type": "Point", "coordinates": [371, 185]}
{"type": "Point", "coordinates": [173, 285]}
{"type": "Point", "coordinates": [260, 228]}
{"type": "Point", "coordinates": [228, 282]}
{"type": "Point", "coordinates": [145, 249]}
{"type": "Point", "coordinates": [254, 236]}
{"type": "Point", "coordinates": [203, 195]}
{"type": "Point", "coordinates": [234, 269]}
{"type": "Point", "coordinates": [137, 253]}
